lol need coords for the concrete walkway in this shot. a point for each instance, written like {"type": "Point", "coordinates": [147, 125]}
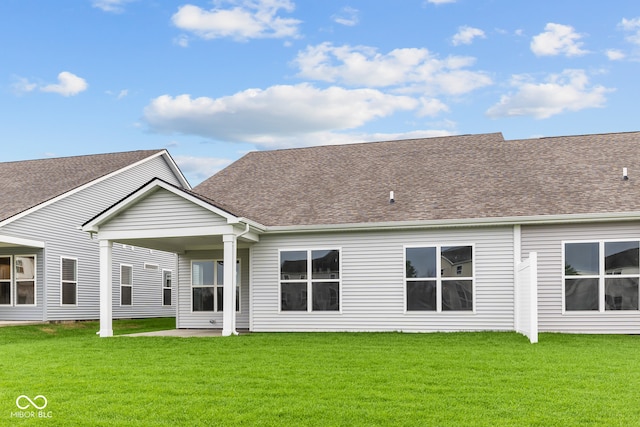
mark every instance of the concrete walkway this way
{"type": "Point", "coordinates": [20, 322]}
{"type": "Point", "coordinates": [185, 333]}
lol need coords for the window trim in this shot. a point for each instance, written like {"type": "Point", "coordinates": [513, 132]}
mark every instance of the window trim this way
{"type": "Point", "coordinates": [439, 279]}
{"type": "Point", "coordinates": [62, 282]}
{"type": "Point", "coordinates": [123, 285]}
{"type": "Point", "coordinates": [215, 285]}
{"type": "Point", "coordinates": [601, 276]}
{"type": "Point", "coordinates": [309, 280]}
{"type": "Point", "coordinates": [35, 280]}
{"type": "Point", "coordinates": [164, 287]}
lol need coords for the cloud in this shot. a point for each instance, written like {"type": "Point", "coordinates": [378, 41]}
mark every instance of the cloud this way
{"type": "Point", "coordinates": [465, 35]}
{"type": "Point", "coordinates": [68, 85]}
{"type": "Point", "coordinates": [278, 112]}
{"type": "Point", "coordinates": [247, 19]}
{"type": "Point", "coordinates": [615, 55]}
{"type": "Point", "coordinates": [557, 39]}
{"type": "Point", "coordinates": [567, 91]}
{"type": "Point", "coordinates": [348, 16]}
{"type": "Point", "coordinates": [633, 26]}
{"type": "Point", "coordinates": [440, 1]}
{"type": "Point", "coordinates": [200, 168]}
{"type": "Point", "coordinates": [113, 6]}
{"type": "Point", "coordinates": [22, 85]}
{"type": "Point", "coordinates": [406, 70]}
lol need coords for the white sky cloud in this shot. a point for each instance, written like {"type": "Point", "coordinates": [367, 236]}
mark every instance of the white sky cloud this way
{"type": "Point", "coordinates": [245, 19]}
{"type": "Point", "coordinates": [277, 112]}
{"type": "Point", "coordinates": [465, 35]}
{"type": "Point", "coordinates": [557, 39]}
{"type": "Point", "coordinates": [22, 85]}
{"type": "Point", "coordinates": [567, 91]}
{"type": "Point", "coordinates": [615, 54]}
{"type": "Point", "coordinates": [113, 6]}
{"type": "Point", "coordinates": [406, 69]}
{"type": "Point", "coordinates": [632, 26]}
{"type": "Point", "coordinates": [200, 168]}
{"type": "Point", "coordinates": [68, 85]}
{"type": "Point", "coordinates": [440, 1]}
{"type": "Point", "coordinates": [347, 16]}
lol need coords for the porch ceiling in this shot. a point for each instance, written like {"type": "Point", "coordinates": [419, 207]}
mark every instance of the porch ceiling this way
{"type": "Point", "coordinates": [181, 244]}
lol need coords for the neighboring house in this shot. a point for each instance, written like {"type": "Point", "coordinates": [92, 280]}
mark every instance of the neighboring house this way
{"type": "Point", "coordinates": [49, 268]}
{"type": "Point", "coordinates": [460, 233]}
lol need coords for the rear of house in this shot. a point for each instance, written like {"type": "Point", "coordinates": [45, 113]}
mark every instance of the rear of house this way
{"type": "Point", "coordinates": [456, 233]}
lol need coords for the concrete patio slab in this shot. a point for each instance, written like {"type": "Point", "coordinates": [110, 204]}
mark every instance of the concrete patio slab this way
{"type": "Point", "coordinates": [184, 333]}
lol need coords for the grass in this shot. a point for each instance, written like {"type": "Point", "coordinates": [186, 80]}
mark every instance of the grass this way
{"type": "Point", "coordinates": [322, 379]}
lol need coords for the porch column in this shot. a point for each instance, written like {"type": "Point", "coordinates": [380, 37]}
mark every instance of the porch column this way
{"type": "Point", "coordinates": [106, 291]}
{"type": "Point", "coordinates": [229, 286]}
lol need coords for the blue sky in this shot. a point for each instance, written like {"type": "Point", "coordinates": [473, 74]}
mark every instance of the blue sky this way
{"type": "Point", "coordinates": [212, 80]}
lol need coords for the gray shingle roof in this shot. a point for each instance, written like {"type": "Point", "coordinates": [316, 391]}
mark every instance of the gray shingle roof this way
{"type": "Point", "coordinates": [457, 177]}
{"type": "Point", "coordinates": [25, 184]}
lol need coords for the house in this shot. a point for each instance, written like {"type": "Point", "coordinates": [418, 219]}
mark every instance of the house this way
{"type": "Point", "coordinates": [49, 270]}
{"type": "Point", "coordinates": [458, 233]}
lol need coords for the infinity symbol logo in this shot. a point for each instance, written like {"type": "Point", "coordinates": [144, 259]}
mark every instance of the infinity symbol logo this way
{"type": "Point", "coordinates": [31, 402]}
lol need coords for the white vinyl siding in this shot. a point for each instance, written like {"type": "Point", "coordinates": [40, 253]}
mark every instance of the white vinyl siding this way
{"type": "Point", "coordinates": [373, 282]}
{"type": "Point", "coordinates": [163, 210]}
{"type": "Point", "coordinates": [548, 242]}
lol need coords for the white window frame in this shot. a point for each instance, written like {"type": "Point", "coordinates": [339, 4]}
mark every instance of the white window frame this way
{"type": "Point", "coordinates": [63, 282]}
{"type": "Point", "coordinates": [35, 280]}
{"type": "Point", "coordinates": [308, 279]}
{"type": "Point", "coordinates": [10, 280]}
{"type": "Point", "coordinates": [126, 285]}
{"type": "Point", "coordinates": [165, 287]}
{"type": "Point", "coordinates": [217, 285]}
{"type": "Point", "coordinates": [601, 276]}
{"type": "Point", "coordinates": [439, 279]}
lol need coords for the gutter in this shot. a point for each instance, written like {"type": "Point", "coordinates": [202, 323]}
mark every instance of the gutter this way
{"type": "Point", "coordinates": [457, 223]}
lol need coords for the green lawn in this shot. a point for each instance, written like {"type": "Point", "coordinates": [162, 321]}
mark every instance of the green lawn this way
{"type": "Point", "coordinates": [322, 379]}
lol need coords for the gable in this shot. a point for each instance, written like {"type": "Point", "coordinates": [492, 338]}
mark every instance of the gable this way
{"type": "Point", "coordinates": [31, 184]}
{"type": "Point", "coordinates": [162, 209]}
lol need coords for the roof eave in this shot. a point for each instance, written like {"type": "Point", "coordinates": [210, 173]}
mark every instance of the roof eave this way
{"type": "Point", "coordinates": [456, 223]}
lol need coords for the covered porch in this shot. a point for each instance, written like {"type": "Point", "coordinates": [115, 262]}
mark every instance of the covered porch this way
{"type": "Point", "coordinates": [160, 216]}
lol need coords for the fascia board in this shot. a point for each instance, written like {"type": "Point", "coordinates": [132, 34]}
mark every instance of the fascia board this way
{"type": "Point", "coordinates": [456, 223]}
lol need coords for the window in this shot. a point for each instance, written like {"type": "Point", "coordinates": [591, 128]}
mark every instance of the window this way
{"type": "Point", "coordinates": [5, 280]}
{"type": "Point", "coordinates": [310, 280]}
{"type": "Point", "coordinates": [439, 278]}
{"type": "Point", "coordinates": [25, 276]}
{"type": "Point", "coordinates": [207, 285]}
{"type": "Point", "coordinates": [601, 276]}
{"type": "Point", "coordinates": [166, 287]}
{"type": "Point", "coordinates": [69, 281]}
{"type": "Point", "coordinates": [126, 285]}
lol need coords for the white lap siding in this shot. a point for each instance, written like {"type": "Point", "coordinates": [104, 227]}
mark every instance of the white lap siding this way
{"type": "Point", "coordinates": [547, 242]}
{"type": "Point", "coordinates": [373, 282]}
{"type": "Point", "coordinates": [57, 225]}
